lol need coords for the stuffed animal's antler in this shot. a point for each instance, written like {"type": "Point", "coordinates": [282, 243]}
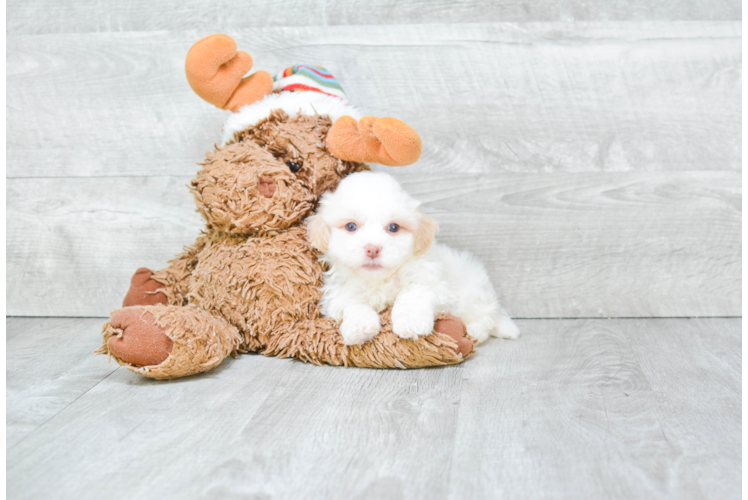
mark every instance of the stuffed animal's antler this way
{"type": "Point", "coordinates": [380, 140]}
{"type": "Point", "coordinates": [215, 69]}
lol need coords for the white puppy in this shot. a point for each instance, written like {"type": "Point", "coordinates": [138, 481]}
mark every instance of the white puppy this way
{"type": "Point", "coordinates": [379, 249]}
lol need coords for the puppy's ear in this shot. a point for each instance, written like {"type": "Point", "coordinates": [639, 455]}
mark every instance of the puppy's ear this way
{"type": "Point", "coordinates": [318, 232]}
{"type": "Point", "coordinates": [424, 235]}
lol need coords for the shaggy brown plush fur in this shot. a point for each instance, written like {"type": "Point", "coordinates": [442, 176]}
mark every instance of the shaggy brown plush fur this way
{"type": "Point", "coordinates": [251, 281]}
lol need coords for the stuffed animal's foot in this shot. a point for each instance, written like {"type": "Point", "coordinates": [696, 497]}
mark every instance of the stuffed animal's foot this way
{"type": "Point", "coordinates": [455, 328]}
{"type": "Point", "coordinates": [144, 290]}
{"type": "Point", "coordinates": [140, 342]}
{"type": "Point", "coordinates": [165, 342]}
{"type": "Point", "coordinates": [381, 140]}
{"type": "Point", "coordinates": [215, 69]}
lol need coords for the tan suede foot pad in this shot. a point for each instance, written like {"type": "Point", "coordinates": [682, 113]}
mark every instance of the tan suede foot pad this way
{"type": "Point", "coordinates": [141, 342]}
{"type": "Point", "coordinates": [455, 328]}
{"type": "Point", "coordinates": [143, 290]}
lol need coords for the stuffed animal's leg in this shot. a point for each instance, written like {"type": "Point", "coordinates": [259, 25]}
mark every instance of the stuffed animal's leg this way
{"type": "Point", "coordinates": [319, 341]}
{"type": "Point", "coordinates": [165, 342]}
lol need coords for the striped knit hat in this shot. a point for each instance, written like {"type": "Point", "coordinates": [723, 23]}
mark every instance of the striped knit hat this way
{"type": "Point", "coordinates": [304, 77]}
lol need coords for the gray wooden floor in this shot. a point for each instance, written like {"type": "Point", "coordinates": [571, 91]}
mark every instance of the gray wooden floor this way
{"type": "Point", "coordinates": [637, 408]}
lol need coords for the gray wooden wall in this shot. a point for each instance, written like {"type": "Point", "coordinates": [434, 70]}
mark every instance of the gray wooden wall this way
{"type": "Point", "coordinates": [588, 152]}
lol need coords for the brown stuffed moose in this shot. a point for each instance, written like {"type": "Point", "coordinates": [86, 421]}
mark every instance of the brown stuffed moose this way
{"type": "Point", "coordinates": [251, 280]}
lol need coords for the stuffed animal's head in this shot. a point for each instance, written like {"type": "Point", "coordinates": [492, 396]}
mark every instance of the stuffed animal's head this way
{"type": "Point", "coordinates": [288, 141]}
{"type": "Point", "coordinates": [299, 143]}
{"type": "Point", "coordinates": [271, 177]}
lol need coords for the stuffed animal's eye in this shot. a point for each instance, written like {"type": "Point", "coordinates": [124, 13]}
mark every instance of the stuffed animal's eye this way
{"type": "Point", "coordinates": [293, 166]}
{"type": "Point", "coordinates": [351, 227]}
{"type": "Point", "coordinates": [393, 228]}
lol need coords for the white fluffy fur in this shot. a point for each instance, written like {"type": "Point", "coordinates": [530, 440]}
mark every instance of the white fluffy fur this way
{"type": "Point", "coordinates": [293, 103]}
{"type": "Point", "coordinates": [357, 287]}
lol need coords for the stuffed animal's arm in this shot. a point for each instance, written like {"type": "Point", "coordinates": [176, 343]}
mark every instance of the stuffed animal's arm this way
{"type": "Point", "coordinates": [176, 277]}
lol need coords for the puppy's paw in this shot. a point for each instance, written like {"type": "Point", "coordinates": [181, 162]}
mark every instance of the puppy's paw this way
{"type": "Point", "coordinates": [506, 329]}
{"type": "Point", "coordinates": [360, 324]}
{"type": "Point", "coordinates": [411, 319]}
{"type": "Point", "coordinates": [478, 332]}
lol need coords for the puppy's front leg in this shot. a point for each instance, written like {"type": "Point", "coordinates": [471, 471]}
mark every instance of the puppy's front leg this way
{"type": "Point", "coordinates": [360, 324]}
{"type": "Point", "coordinates": [413, 313]}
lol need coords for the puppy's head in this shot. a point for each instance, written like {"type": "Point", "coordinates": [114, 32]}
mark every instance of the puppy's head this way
{"type": "Point", "coordinates": [370, 225]}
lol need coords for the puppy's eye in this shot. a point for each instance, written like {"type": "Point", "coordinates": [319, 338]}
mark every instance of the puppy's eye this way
{"type": "Point", "coordinates": [293, 166]}
{"type": "Point", "coordinates": [393, 228]}
{"type": "Point", "coordinates": [351, 227]}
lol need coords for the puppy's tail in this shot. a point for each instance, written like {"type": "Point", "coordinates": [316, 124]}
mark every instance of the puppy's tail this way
{"type": "Point", "coordinates": [505, 328]}
{"type": "Point", "coordinates": [495, 325]}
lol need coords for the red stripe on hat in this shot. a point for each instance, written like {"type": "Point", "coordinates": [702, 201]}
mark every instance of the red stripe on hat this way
{"type": "Point", "coordinates": [301, 86]}
{"type": "Point", "coordinates": [328, 76]}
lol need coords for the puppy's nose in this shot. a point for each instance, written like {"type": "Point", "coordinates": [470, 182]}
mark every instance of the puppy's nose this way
{"type": "Point", "coordinates": [266, 187]}
{"type": "Point", "coordinates": [372, 251]}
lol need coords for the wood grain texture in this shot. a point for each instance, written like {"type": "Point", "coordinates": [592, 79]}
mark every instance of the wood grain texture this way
{"type": "Point", "coordinates": [573, 409]}
{"type": "Point", "coordinates": [590, 409]}
{"type": "Point", "coordinates": [745, 445]}
{"type": "Point", "coordinates": [50, 364]}
{"type": "Point", "coordinates": [82, 16]}
{"type": "Point", "coordinates": [536, 97]}
{"type": "Point", "coordinates": [74, 240]}
{"type": "Point", "coordinates": [555, 245]}
{"type": "Point", "coordinates": [13, 332]}
{"type": "Point", "coordinates": [711, 356]}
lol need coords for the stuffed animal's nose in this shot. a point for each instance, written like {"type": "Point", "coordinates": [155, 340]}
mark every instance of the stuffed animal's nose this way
{"type": "Point", "coordinates": [372, 251]}
{"type": "Point", "coordinates": [266, 187]}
